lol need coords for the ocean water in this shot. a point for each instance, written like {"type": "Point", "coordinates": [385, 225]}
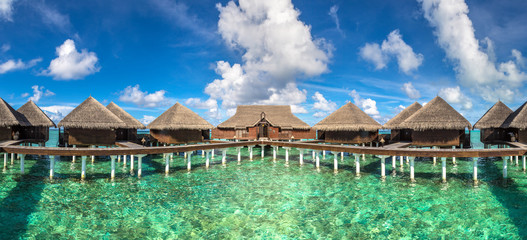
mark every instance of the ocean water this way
{"type": "Point", "coordinates": [262, 199]}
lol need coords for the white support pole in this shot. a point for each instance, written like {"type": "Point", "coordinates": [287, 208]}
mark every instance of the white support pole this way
{"type": "Point", "coordinates": [454, 158]}
{"type": "Point", "coordinates": [313, 153]}
{"type": "Point", "coordinates": [475, 171]}
{"type": "Point", "coordinates": [443, 169]}
{"type": "Point", "coordinates": [73, 158]}
{"type": "Point", "coordinates": [274, 152]}
{"type": "Point", "coordinates": [140, 165]}
{"type": "Point", "coordinates": [202, 153]}
{"type": "Point", "coordinates": [5, 160]}
{"type": "Point", "coordinates": [167, 163]}
{"type": "Point", "coordinates": [239, 154]}
{"type": "Point", "coordinates": [212, 154]}
{"type": "Point", "coordinates": [286, 155]}
{"type": "Point", "coordinates": [504, 168]}
{"type": "Point", "coordinates": [51, 167]}
{"type": "Point", "coordinates": [301, 158]}
{"type": "Point", "coordinates": [251, 153]}
{"type": "Point", "coordinates": [342, 154]}
{"type": "Point", "coordinates": [223, 156]}
{"type": "Point", "coordinates": [317, 160]}
{"type": "Point", "coordinates": [189, 161]}
{"type": "Point", "coordinates": [517, 160]}
{"type": "Point", "coordinates": [383, 167]}
{"type": "Point", "coordinates": [112, 174]}
{"type": "Point", "coordinates": [83, 167]}
{"type": "Point", "coordinates": [185, 155]}
{"type": "Point", "coordinates": [263, 151]}
{"type": "Point", "coordinates": [434, 158]}
{"type": "Point", "coordinates": [124, 160]}
{"type": "Point", "coordinates": [357, 165]}
{"type": "Point", "coordinates": [412, 170]}
{"type": "Point", "coordinates": [335, 161]}
{"type": "Point", "coordinates": [207, 160]}
{"type": "Point", "coordinates": [393, 164]}
{"type": "Point", "coordinates": [323, 154]}
{"type": "Point", "coordinates": [524, 165]}
{"type": "Point", "coordinates": [363, 155]}
{"type": "Point", "coordinates": [118, 158]}
{"type": "Point", "coordinates": [12, 158]}
{"type": "Point", "coordinates": [401, 161]}
{"type": "Point", "coordinates": [22, 157]}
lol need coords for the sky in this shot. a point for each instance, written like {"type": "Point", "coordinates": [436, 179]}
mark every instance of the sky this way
{"type": "Point", "coordinates": [213, 55]}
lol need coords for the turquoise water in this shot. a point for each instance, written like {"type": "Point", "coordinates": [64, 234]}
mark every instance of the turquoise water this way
{"type": "Point", "coordinates": [262, 199]}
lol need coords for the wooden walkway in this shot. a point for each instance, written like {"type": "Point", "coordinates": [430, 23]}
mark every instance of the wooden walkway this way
{"type": "Point", "coordinates": [517, 144]}
{"type": "Point", "coordinates": [9, 142]}
{"type": "Point", "coordinates": [128, 144]}
{"type": "Point", "coordinates": [397, 145]}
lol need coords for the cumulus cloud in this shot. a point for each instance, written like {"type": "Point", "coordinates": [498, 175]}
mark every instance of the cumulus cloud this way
{"type": "Point", "coordinates": [455, 96]}
{"type": "Point", "coordinates": [57, 112]}
{"type": "Point", "coordinates": [211, 105]}
{"type": "Point", "coordinates": [143, 99]}
{"type": "Point", "coordinates": [39, 92]}
{"type": "Point", "coordinates": [398, 109]}
{"type": "Point", "coordinates": [322, 105]}
{"type": "Point", "coordinates": [52, 17]}
{"type": "Point", "coordinates": [6, 10]}
{"type": "Point", "coordinates": [333, 14]}
{"type": "Point", "coordinates": [5, 47]}
{"type": "Point", "coordinates": [13, 65]}
{"type": "Point", "coordinates": [393, 46]}
{"type": "Point", "coordinates": [410, 91]}
{"type": "Point", "coordinates": [71, 64]}
{"type": "Point", "coordinates": [277, 49]}
{"type": "Point", "coordinates": [368, 105]}
{"type": "Point", "coordinates": [475, 68]}
{"type": "Point", "coordinates": [147, 119]}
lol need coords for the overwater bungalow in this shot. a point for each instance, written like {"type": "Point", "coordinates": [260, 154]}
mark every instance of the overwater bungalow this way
{"type": "Point", "coordinates": [179, 125]}
{"type": "Point", "coordinates": [398, 133]}
{"type": "Point", "coordinates": [38, 130]}
{"type": "Point", "coordinates": [129, 132]}
{"type": "Point", "coordinates": [274, 122]}
{"type": "Point", "coordinates": [90, 123]}
{"type": "Point", "coordinates": [516, 125]}
{"type": "Point", "coordinates": [490, 124]}
{"type": "Point", "coordinates": [348, 125]}
{"type": "Point", "coordinates": [437, 124]}
{"type": "Point", "coordinates": [9, 121]}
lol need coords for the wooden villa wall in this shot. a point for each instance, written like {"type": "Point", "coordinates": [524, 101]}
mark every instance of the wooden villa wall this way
{"type": "Point", "coordinates": [438, 137]}
{"type": "Point", "coordinates": [179, 136]}
{"type": "Point", "coordinates": [350, 137]}
{"type": "Point", "coordinates": [84, 137]}
{"type": "Point", "coordinates": [522, 136]}
{"type": "Point", "coordinates": [40, 134]}
{"type": "Point", "coordinates": [403, 135]}
{"type": "Point", "coordinates": [126, 134]}
{"type": "Point", "coordinates": [251, 133]}
{"type": "Point", "coordinates": [494, 134]}
{"type": "Point", "coordinates": [5, 133]}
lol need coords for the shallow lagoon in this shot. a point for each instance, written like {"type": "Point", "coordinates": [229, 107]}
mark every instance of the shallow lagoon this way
{"type": "Point", "coordinates": [262, 199]}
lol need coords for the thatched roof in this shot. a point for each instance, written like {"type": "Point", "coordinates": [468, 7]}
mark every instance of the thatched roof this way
{"type": "Point", "coordinates": [517, 119]}
{"type": "Point", "coordinates": [436, 115]}
{"type": "Point", "coordinates": [494, 117]}
{"type": "Point", "coordinates": [348, 118]}
{"type": "Point", "coordinates": [403, 115]}
{"type": "Point", "coordinates": [9, 117]}
{"type": "Point", "coordinates": [179, 117]}
{"type": "Point", "coordinates": [130, 121]}
{"type": "Point", "coordinates": [35, 116]}
{"type": "Point", "coordinates": [277, 115]}
{"type": "Point", "coordinates": [91, 114]}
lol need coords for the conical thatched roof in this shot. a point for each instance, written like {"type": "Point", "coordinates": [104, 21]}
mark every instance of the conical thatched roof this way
{"type": "Point", "coordinates": [494, 117]}
{"type": "Point", "coordinates": [179, 117]}
{"type": "Point", "coordinates": [436, 115]}
{"type": "Point", "coordinates": [517, 119]}
{"type": "Point", "coordinates": [348, 118]}
{"type": "Point", "coordinates": [10, 117]}
{"type": "Point", "coordinates": [277, 115]}
{"type": "Point", "coordinates": [130, 121]}
{"type": "Point", "coordinates": [91, 114]}
{"type": "Point", "coordinates": [35, 116]}
{"type": "Point", "coordinates": [403, 115]}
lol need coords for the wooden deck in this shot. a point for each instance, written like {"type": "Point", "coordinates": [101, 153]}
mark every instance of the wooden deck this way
{"type": "Point", "coordinates": [128, 144]}
{"type": "Point", "coordinates": [9, 142]}
{"type": "Point", "coordinates": [397, 145]}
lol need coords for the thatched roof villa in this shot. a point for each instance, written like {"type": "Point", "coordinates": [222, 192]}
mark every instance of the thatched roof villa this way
{"type": "Point", "coordinates": [91, 123]}
{"type": "Point", "coordinates": [491, 123]}
{"type": "Point", "coordinates": [9, 120]}
{"type": "Point", "coordinates": [275, 122]}
{"type": "Point", "coordinates": [398, 133]}
{"type": "Point", "coordinates": [437, 124]}
{"type": "Point", "coordinates": [129, 132]}
{"type": "Point", "coordinates": [38, 130]}
{"type": "Point", "coordinates": [178, 125]}
{"type": "Point", "coordinates": [516, 124]}
{"type": "Point", "coordinates": [348, 124]}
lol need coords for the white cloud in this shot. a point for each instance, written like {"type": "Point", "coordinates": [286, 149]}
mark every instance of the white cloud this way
{"type": "Point", "coordinates": [147, 119]}
{"type": "Point", "coordinates": [52, 17]}
{"type": "Point", "coordinates": [210, 104]}
{"type": "Point", "coordinates": [277, 49]}
{"type": "Point", "coordinates": [12, 65]}
{"type": "Point", "coordinates": [475, 69]}
{"type": "Point", "coordinates": [333, 14]}
{"type": "Point", "coordinates": [57, 112]}
{"type": "Point", "coordinates": [323, 105]}
{"type": "Point", "coordinates": [410, 91]}
{"type": "Point", "coordinates": [455, 96]}
{"type": "Point", "coordinates": [368, 105]}
{"type": "Point", "coordinates": [24, 95]}
{"type": "Point", "coordinates": [71, 64]}
{"type": "Point", "coordinates": [143, 99]}
{"type": "Point", "coordinates": [5, 47]}
{"type": "Point", "coordinates": [394, 45]}
{"type": "Point", "coordinates": [6, 9]}
{"type": "Point", "coordinates": [38, 93]}
{"type": "Point", "coordinates": [398, 109]}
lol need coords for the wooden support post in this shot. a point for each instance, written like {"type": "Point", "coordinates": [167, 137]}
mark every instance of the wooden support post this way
{"type": "Point", "coordinates": [202, 153]}
{"type": "Point", "coordinates": [274, 152]}
{"type": "Point", "coordinates": [51, 167]}
{"type": "Point", "coordinates": [224, 156]}
{"type": "Point", "coordinates": [317, 162]}
{"type": "Point", "coordinates": [140, 165]}
{"type": "Point", "coordinates": [335, 161]}
{"type": "Point", "coordinates": [475, 171]}
{"type": "Point", "coordinates": [22, 157]}
{"type": "Point", "coordinates": [12, 158]}
{"type": "Point", "coordinates": [167, 163]}
{"type": "Point", "coordinates": [313, 153]}
{"type": "Point", "coordinates": [357, 165]}
{"type": "Point", "coordinates": [383, 167]}
{"type": "Point", "coordinates": [517, 160]}
{"type": "Point", "coordinates": [504, 168]}
{"type": "Point", "coordinates": [83, 167]}
{"type": "Point", "coordinates": [393, 164]}
{"type": "Point", "coordinates": [189, 161]}
{"type": "Point", "coordinates": [207, 160]}
{"type": "Point", "coordinates": [323, 154]}
{"type": "Point", "coordinates": [524, 165]}
{"type": "Point", "coordinates": [301, 158]}
{"type": "Point", "coordinates": [401, 161]}
{"type": "Point", "coordinates": [5, 160]}
{"type": "Point", "coordinates": [251, 153]}
{"type": "Point", "coordinates": [443, 169]}
{"type": "Point", "coordinates": [239, 154]}
{"type": "Point", "coordinates": [412, 171]}
{"type": "Point", "coordinates": [124, 160]}
{"type": "Point", "coordinates": [118, 158]}
{"type": "Point", "coordinates": [263, 151]}
{"type": "Point", "coordinates": [363, 155]}
{"type": "Point", "coordinates": [112, 174]}
{"type": "Point", "coordinates": [212, 154]}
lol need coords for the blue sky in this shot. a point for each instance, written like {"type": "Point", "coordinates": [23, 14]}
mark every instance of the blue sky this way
{"type": "Point", "coordinates": [214, 55]}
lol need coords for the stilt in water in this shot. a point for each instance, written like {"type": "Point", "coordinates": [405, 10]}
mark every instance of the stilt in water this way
{"type": "Point", "coordinates": [118, 158]}
{"type": "Point", "coordinates": [363, 155]}
{"type": "Point", "coordinates": [207, 160]}
{"type": "Point", "coordinates": [524, 165]}
{"type": "Point", "coordinates": [5, 160]}
{"type": "Point", "coordinates": [357, 164]}
{"type": "Point", "coordinates": [323, 154]}
{"type": "Point", "coordinates": [112, 174]}
{"type": "Point", "coordinates": [434, 158]}
{"type": "Point", "coordinates": [22, 157]}
{"type": "Point", "coordinates": [401, 161]}
{"type": "Point", "coordinates": [83, 167]}
{"type": "Point", "coordinates": [250, 153]}
{"type": "Point", "coordinates": [124, 160]}
{"type": "Point", "coordinates": [412, 171]}
{"type": "Point", "coordinates": [335, 161]}
{"type": "Point", "coordinates": [189, 161]}
{"type": "Point", "coordinates": [394, 165]}
{"type": "Point", "coordinates": [132, 163]}
{"type": "Point", "coordinates": [73, 158]}
{"type": "Point", "coordinates": [317, 160]}
{"type": "Point", "coordinates": [140, 164]}
{"type": "Point", "coordinates": [517, 160]}
{"type": "Point", "coordinates": [12, 158]}
{"type": "Point", "coordinates": [475, 171]}
{"type": "Point", "coordinates": [443, 169]}
{"type": "Point", "coordinates": [274, 153]}
{"type": "Point", "coordinates": [287, 154]}
{"type": "Point", "coordinates": [263, 151]}
{"type": "Point", "coordinates": [301, 158]}
{"type": "Point", "coordinates": [212, 154]}
{"type": "Point", "coordinates": [51, 167]}
{"type": "Point", "coordinates": [504, 168]}
{"type": "Point", "coordinates": [313, 153]}
{"type": "Point", "coordinates": [239, 149]}
{"type": "Point", "coordinates": [167, 163]}
{"type": "Point", "coordinates": [341, 154]}
{"type": "Point", "coordinates": [224, 156]}
{"type": "Point", "coordinates": [383, 167]}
